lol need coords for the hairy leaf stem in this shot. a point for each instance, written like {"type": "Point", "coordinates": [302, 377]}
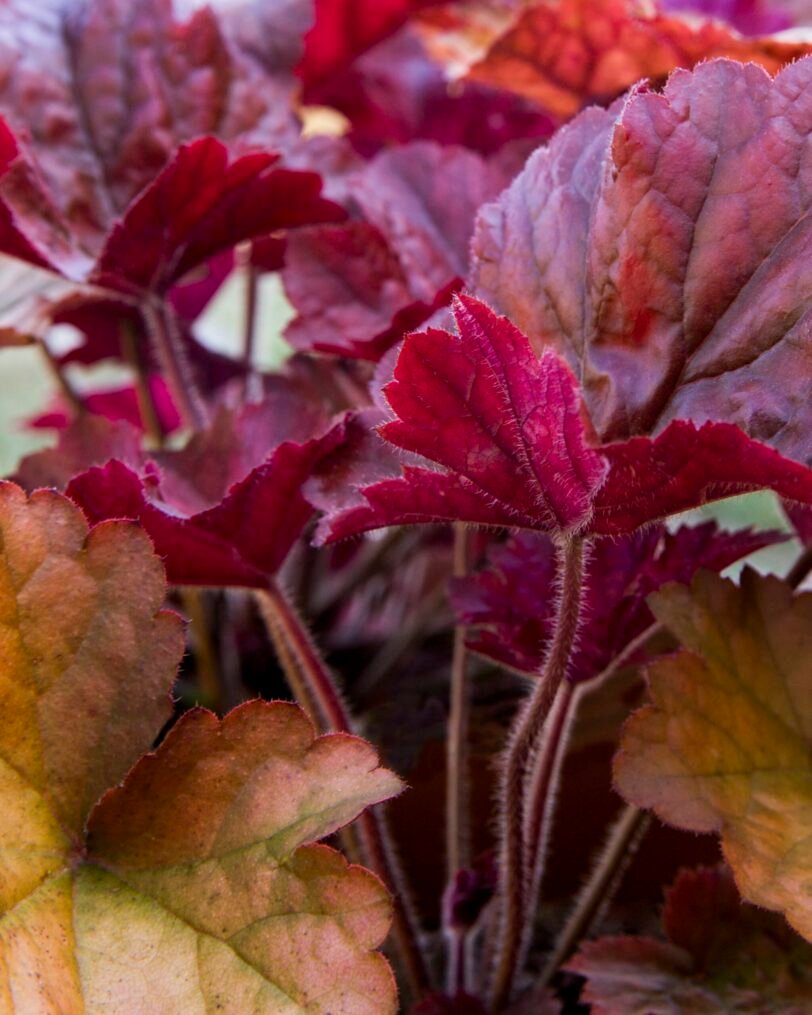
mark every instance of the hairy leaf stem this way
{"type": "Point", "coordinates": [457, 825]}
{"type": "Point", "coordinates": [311, 678]}
{"type": "Point", "coordinates": [514, 909]}
{"type": "Point", "coordinates": [622, 842]}
{"type": "Point", "coordinates": [71, 396]}
{"type": "Point", "coordinates": [457, 837]}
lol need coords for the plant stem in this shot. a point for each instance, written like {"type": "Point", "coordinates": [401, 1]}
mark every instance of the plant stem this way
{"type": "Point", "coordinates": [72, 397]}
{"type": "Point", "coordinates": [253, 384]}
{"type": "Point", "coordinates": [514, 872]}
{"type": "Point", "coordinates": [541, 792]}
{"type": "Point", "coordinates": [324, 699]}
{"type": "Point", "coordinates": [621, 845]}
{"type": "Point", "coordinates": [311, 678]}
{"type": "Point", "coordinates": [208, 676]}
{"type": "Point", "coordinates": [146, 403]}
{"type": "Point", "coordinates": [457, 825]}
{"type": "Point", "coordinates": [162, 327]}
{"type": "Point", "coordinates": [458, 849]}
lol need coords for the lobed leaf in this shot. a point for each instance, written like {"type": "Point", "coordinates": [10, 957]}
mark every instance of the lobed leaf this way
{"type": "Point", "coordinates": [564, 56]}
{"type": "Point", "coordinates": [106, 90]}
{"type": "Point", "coordinates": [201, 204]}
{"type": "Point", "coordinates": [194, 884]}
{"type": "Point", "coordinates": [721, 955]}
{"type": "Point", "coordinates": [352, 295]}
{"type": "Point", "coordinates": [725, 744]}
{"type": "Point", "coordinates": [359, 288]}
{"type": "Point", "coordinates": [660, 248]}
{"type": "Point", "coordinates": [505, 432]}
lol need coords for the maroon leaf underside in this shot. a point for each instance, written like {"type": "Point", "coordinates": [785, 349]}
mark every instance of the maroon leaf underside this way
{"type": "Point", "coordinates": [223, 511]}
{"type": "Point", "coordinates": [359, 288]}
{"type": "Point", "coordinates": [510, 604]}
{"type": "Point", "coordinates": [509, 448]}
{"type": "Point", "coordinates": [351, 293]}
{"type": "Point", "coordinates": [240, 542]}
{"type": "Point", "coordinates": [720, 955]}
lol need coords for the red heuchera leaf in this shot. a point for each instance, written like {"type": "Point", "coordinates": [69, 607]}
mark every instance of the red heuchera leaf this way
{"type": "Point", "coordinates": [667, 255]}
{"type": "Point", "coordinates": [105, 90]}
{"type": "Point", "coordinates": [505, 426]}
{"type": "Point", "coordinates": [721, 955]}
{"type": "Point", "coordinates": [357, 290]}
{"type": "Point", "coordinates": [200, 205]}
{"type": "Point", "coordinates": [505, 429]}
{"type": "Point", "coordinates": [686, 466]}
{"type": "Point", "coordinates": [87, 441]}
{"type": "Point", "coordinates": [362, 459]}
{"type": "Point", "coordinates": [424, 198]}
{"type": "Point", "coordinates": [343, 29]}
{"type": "Point", "coordinates": [567, 55]}
{"type": "Point", "coordinates": [227, 508]}
{"type": "Point", "coordinates": [511, 603]}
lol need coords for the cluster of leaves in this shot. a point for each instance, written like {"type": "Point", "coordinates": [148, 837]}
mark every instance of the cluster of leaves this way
{"type": "Point", "coordinates": [547, 270]}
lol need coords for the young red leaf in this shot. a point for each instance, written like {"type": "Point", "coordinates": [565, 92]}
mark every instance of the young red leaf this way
{"type": "Point", "coordinates": [504, 427]}
{"type": "Point", "coordinates": [571, 54]}
{"type": "Point", "coordinates": [667, 255]}
{"type": "Point", "coordinates": [685, 466]}
{"type": "Point", "coordinates": [506, 431]}
{"type": "Point", "coordinates": [200, 205]}
{"type": "Point", "coordinates": [511, 603]}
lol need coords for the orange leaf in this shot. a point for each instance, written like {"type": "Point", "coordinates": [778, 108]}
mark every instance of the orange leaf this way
{"type": "Point", "coordinates": [726, 743]}
{"type": "Point", "coordinates": [567, 55]}
{"type": "Point", "coordinates": [195, 884]}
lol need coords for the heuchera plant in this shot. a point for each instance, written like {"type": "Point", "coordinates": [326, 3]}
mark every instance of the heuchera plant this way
{"type": "Point", "coordinates": [412, 673]}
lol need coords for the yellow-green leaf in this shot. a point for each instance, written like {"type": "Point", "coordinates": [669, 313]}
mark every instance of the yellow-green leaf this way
{"type": "Point", "coordinates": [195, 885]}
{"type": "Point", "coordinates": [726, 743]}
